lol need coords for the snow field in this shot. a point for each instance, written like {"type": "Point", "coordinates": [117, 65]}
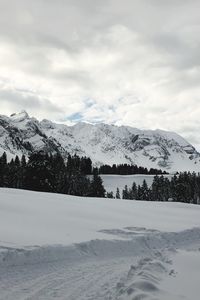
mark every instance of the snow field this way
{"type": "Point", "coordinates": [41, 219]}
{"type": "Point", "coordinates": [63, 247]}
{"type": "Point", "coordinates": [112, 182]}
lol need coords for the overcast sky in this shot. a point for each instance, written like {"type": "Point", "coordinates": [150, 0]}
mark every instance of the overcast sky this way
{"type": "Point", "coordinates": [125, 62]}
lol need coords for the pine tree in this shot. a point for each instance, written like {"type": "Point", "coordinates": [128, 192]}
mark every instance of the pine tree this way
{"type": "Point", "coordinates": [109, 195]}
{"type": "Point", "coordinates": [23, 161]}
{"type": "Point", "coordinates": [144, 191]}
{"type": "Point", "coordinates": [11, 174]}
{"type": "Point", "coordinates": [97, 188]}
{"type": "Point", "coordinates": [117, 194]}
{"type": "Point", "coordinates": [133, 192]}
{"type": "Point", "coordinates": [3, 170]}
{"type": "Point", "coordinates": [139, 192]}
{"type": "Point", "coordinates": [39, 173]}
{"type": "Point", "coordinates": [125, 193]}
{"type": "Point", "coordinates": [157, 189]}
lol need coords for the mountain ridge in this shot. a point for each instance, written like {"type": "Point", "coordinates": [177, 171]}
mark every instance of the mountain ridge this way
{"type": "Point", "coordinates": [103, 143]}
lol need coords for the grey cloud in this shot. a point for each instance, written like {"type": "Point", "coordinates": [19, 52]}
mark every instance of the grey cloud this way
{"type": "Point", "coordinates": [143, 52]}
{"type": "Point", "coordinates": [23, 99]}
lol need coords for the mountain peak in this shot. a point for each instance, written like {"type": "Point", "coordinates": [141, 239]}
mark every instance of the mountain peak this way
{"type": "Point", "coordinates": [19, 117]}
{"type": "Point", "coordinates": [103, 143]}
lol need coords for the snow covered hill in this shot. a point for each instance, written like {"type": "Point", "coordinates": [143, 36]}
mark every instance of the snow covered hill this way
{"type": "Point", "coordinates": [104, 144]}
{"type": "Point", "coordinates": [64, 247]}
{"type": "Point", "coordinates": [34, 218]}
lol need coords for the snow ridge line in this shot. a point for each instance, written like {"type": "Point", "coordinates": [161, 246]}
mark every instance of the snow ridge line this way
{"type": "Point", "coordinates": [142, 245]}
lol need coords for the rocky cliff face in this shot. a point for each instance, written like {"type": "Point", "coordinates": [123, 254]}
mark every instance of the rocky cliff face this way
{"type": "Point", "coordinates": [104, 144]}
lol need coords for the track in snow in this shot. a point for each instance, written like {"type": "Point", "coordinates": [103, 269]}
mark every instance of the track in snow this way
{"type": "Point", "coordinates": [131, 267]}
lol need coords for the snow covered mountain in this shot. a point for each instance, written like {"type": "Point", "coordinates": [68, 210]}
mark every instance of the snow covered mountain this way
{"type": "Point", "coordinates": [104, 144]}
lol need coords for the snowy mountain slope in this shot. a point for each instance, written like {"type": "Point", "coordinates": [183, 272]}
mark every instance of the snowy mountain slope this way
{"type": "Point", "coordinates": [104, 144]}
{"type": "Point", "coordinates": [21, 134]}
{"type": "Point", "coordinates": [64, 247]}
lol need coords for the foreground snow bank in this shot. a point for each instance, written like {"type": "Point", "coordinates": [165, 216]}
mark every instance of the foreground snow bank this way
{"type": "Point", "coordinates": [41, 227]}
{"type": "Point", "coordinates": [64, 247]}
{"type": "Point", "coordinates": [40, 219]}
{"type": "Point", "coordinates": [132, 242]}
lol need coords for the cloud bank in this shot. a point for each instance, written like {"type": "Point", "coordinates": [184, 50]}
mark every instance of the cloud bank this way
{"type": "Point", "coordinates": [132, 62]}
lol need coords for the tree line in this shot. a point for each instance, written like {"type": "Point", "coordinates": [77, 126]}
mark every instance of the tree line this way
{"type": "Point", "coordinates": [183, 187]}
{"type": "Point", "coordinates": [126, 169]}
{"type": "Point", "coordinates": [49, 173]}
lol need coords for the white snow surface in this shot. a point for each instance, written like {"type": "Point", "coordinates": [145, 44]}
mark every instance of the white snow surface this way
{"type": "Point", "coordinates": [64, 247]}
{"type": "Point", "coordinates": [33, 218]}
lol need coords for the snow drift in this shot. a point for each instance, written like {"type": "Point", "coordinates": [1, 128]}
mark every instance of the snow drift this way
{"type": "Point", "coordinates": [66, 247]}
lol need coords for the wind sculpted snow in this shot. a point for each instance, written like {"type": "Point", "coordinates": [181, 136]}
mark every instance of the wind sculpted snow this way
{"type": "Point", "coordinates": [64, 247]}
